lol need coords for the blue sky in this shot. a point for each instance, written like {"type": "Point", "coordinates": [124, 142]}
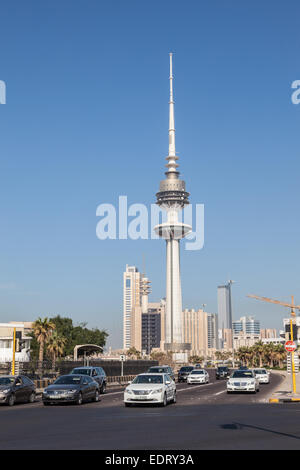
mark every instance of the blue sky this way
{"type": "Point", "coordinates": [86, 121]}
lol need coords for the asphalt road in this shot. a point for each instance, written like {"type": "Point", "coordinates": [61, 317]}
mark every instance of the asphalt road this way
{"type": "Point", "coordinates": [205, 417]}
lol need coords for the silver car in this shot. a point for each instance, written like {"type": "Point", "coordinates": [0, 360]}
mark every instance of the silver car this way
{"type": "Point", "coordinates": [150, 388]}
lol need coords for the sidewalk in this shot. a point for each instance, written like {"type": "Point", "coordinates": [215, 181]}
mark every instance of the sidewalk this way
{"type": "Point", "coordinates": [283, 393]}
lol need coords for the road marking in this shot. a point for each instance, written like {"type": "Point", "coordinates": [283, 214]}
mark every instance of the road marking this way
{"type": "Point", "coordinates": [219, 393]}
{"type": "Point", "coordinates": [193, 387]}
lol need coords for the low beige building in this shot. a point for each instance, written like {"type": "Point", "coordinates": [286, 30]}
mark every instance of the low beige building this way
{"type": "Point", "coordinates": [6, 341]}
{"type": "Point", "coordinates": [245, 339]}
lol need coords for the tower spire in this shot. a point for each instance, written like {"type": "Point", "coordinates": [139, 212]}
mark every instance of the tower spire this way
{"type": "Point", "coordinates": [171, 165]}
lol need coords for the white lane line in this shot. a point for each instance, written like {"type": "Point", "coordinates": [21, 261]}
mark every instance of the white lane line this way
{"type": "Point", "coordinates": [193, 387]}
{"type": "Point", "coordinates": [219, 393]}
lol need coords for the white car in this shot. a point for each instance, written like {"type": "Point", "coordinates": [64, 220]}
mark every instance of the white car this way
{"type": "Point", "coordinates": [198, 376]}
{"type": "Point", "coordinates": [242, 381]}
{"type": "Point", "coordinates": [150, 388]}
{"type": "Point", "coordinates": [262, 375]}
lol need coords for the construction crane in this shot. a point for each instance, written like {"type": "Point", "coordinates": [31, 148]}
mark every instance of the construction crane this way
{"type": "Point", "coordinates": [293, 307]}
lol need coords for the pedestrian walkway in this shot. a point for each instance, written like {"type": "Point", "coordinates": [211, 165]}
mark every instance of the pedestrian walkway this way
{"type": "Point", "coordinates": [283, 393]}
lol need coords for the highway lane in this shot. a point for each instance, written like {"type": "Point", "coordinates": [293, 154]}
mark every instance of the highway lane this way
{"type": "Point", "coordinates": [205, 417]}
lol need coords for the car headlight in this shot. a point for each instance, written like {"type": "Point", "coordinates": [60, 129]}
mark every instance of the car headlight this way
{"type": "Point", "coordinates": [71, 391]}
{"type": "Point", "coordinates": [127, 390]}
{"type": "Point", "coordinates": [157, 390]}
{"type": "Point", "coordinates": [7, 390]}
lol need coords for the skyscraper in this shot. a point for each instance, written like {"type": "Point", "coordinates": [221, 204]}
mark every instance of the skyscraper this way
{"type": "Point", "coordinates": [172, 197]}
{"type": "Point", "coordinates": [224, 313]}
{"type": "Point", "coordinates": [131, 299]}
{"type": "Point", "coordinates": [224, 306]}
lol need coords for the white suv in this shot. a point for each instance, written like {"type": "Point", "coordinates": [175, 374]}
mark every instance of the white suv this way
{"type": "Point", "coordinates": [150, 388]}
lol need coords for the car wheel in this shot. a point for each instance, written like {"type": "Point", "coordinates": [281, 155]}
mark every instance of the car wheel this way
{"type": "Point", "coordinates": [79, 399]}
{"type": "Point", "coordinates": [174, 400]}
{"type": "Point", "coordinates": [165, 401]}
{"type": "Point", "coordinates": [96, 397]}
{"type": "Point", "coordinates": [31, 398]}
{"type": "Point", "coordinates": [127, 404]}
{"type": "Point", "coordinates": [45, 403]}
{"type": "Point", "coordinates": [11, 401]}
{"type": "Point", "coordinates": [103, 388]}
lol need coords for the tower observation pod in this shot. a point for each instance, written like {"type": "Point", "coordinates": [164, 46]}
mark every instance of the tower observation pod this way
{"type": "Point", "coordinates": [172, 197]}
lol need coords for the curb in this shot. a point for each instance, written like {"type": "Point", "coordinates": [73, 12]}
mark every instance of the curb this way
{"type": "Point", "coordinates": [284, 400]}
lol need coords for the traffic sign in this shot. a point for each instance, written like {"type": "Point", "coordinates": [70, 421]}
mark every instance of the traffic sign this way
{"type": "Point", "coordinates": [290, 346]}
{"type": "Point", "coordinates": [289, 363]}
{"type": "Point", "coordinates": [122, 357]}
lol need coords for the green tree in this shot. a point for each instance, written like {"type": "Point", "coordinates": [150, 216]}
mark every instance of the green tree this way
{"type": "Point", "coordinates": [42, 329]}
{"type": "Point", "coordinates": [55, 346]}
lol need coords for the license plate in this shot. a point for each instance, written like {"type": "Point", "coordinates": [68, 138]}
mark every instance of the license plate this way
{"type": "Point", "coordinates": [141, 397]}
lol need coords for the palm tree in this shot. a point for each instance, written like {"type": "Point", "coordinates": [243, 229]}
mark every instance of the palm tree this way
{"type": "Point", "coordinates": [55, 346]}
{"type": "Point", "coordinates": [42, 329]}
{"type": "Point", "coordinates": [271, 353]}
{"type": "Point", "coordinates": [259, 350]}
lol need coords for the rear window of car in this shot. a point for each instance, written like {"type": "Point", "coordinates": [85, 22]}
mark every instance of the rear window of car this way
{"type": "Point", "coordinates": [197, 372]}
{"type": "Point", "coordinates": [260, 371]}
{"type": "Point", "coordinates": [186, 369]}
{"type": "Point", "coordinates": [161, 370]}
{"type": "Point", "coordinates": [81, 371]}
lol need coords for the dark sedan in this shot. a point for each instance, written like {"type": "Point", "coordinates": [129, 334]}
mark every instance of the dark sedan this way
{"type": "Point", "coordinates": [16, 389]}
{"type": "Point", "coordinates": [222, 372]}
{"type": "Point", "coordinates": [71, 388]}
{"type": "Point", "coordinates": [184, 372]}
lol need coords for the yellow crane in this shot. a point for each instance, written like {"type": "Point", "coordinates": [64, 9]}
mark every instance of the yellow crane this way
{"type": "Point", "coordinates": [293, 307]}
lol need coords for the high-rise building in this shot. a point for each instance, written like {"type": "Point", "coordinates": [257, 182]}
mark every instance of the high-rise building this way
{"type": "Point", "coordinates": [212, 331]}
{"type": "Point", "coordinates": [246, 325]}
{"type": "Point", "coordinates": [225, 306]}
{"type": "Point", "coordinates": [172, 197]}
{"type": "Point", "coordinates": [224, 314]}
{"type": "Point", "coordinates": [200, 329]}
{"type": "Point", "coordinates": [131, 299]}
{"type": "Point", "coordinates": [153, 326]}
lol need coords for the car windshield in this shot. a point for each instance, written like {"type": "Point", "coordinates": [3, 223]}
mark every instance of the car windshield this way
{"type": "Point", "coordinates": [81, 371]}
{"type": "Point", "coordinates": [7, 380]}
{"type": "Point", "coordinates": [148, 379]}
{"type": "Point", "coordinates": [160, 370]}
{"type": "Point", "coordinates": [222, 369]}
{"type": "Point", "coordinates": [260, 371]}
{"type": "Point", "coordinates": [186, 369]}
{"type": "Point", "coordinates": [198, 372]}
{"type": "Point", "coordinates": [238, 374]}
{"type": "Point", "coordinates": [68, 380]}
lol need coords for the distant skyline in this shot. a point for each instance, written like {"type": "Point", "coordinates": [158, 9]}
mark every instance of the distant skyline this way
{"type": "Point", "coordinates": [86, 120]}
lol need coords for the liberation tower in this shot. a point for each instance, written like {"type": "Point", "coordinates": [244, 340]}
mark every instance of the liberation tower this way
{"type": "Point", "coordinates": [172, 197]}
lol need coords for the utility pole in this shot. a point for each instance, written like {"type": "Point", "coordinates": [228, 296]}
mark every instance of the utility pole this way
{"type": "Point", "coordinates": [14, 353]}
